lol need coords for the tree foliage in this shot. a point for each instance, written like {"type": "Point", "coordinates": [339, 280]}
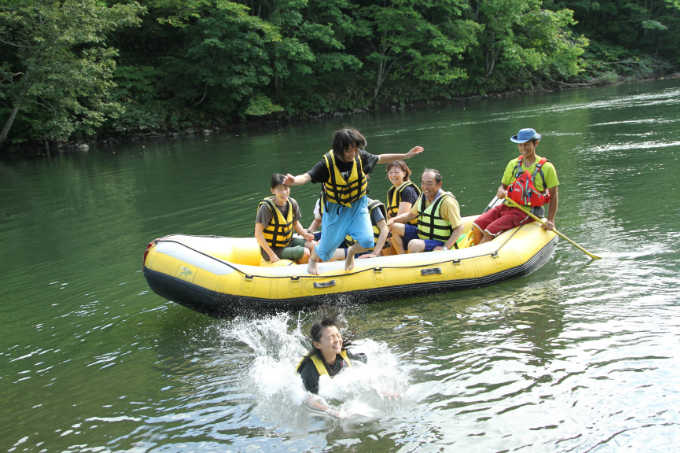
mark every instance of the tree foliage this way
{"type": "Point", "coordinates": [57, 70]}
{"type": "Point", "coordinates": [75, 68]}
{"type": "Point", "coordinates": [628, 30]}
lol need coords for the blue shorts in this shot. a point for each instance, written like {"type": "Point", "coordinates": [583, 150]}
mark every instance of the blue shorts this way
{"type": "Point", "coordinates": [411, 232]}
{"type": "Point", "coordinates": [339, 221]}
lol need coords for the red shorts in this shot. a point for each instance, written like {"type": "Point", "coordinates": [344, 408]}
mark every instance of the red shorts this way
{"type": "Point", "coordinates": [501, 218]}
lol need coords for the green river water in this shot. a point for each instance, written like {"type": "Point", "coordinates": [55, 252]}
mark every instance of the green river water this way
{"type": "Point", "coordinates": [578, 356]}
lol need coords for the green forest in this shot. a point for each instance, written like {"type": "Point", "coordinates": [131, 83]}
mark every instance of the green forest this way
{"type": "Point", "coordinates": [88, 70]}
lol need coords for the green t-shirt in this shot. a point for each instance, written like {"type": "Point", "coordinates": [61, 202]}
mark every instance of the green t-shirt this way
{"type": "Point", "coordinates": [548, 171]}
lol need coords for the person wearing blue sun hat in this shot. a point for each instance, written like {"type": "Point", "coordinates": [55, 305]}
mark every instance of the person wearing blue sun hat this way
{"type": "Point", "coordinates": [530, 181]}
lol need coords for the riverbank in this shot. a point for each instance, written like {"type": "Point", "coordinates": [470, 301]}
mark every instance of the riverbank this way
{"type": "Point", "coordinates": [277, 121]}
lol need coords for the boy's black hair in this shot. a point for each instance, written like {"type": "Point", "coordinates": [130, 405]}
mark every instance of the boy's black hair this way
{"type": "Point", "coordinates": [277, 179]}
{"type": "Point", "coordinates": [344, 138]}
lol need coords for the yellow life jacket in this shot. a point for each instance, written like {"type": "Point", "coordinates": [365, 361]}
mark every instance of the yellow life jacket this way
{"type": "Point", "coordinates": [374, 204]}
{"type": "Point", "coordinates": [340, 190]}
{"type": "Point", "coordinates": [394, 198]}
{"type": "Point", "coordinates": [430, 223]}
{"type": "Point", "coordinates": [318, 362]}
{"type": "Point", "coordinates": [280, 230]}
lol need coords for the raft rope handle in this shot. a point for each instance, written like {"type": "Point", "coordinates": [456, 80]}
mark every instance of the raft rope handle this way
{"type": "Point", "coordinates": [205, 254]}
{"type": "Point", "coordinates": [297, 277]}
{"type": "Point", "coordinates": [495, 253]}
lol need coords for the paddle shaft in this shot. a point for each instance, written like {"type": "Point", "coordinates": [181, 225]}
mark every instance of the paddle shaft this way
{"type": "Point", "coordinates": [530, 214]}
{"type": "Point", "coordinates": [492, 203]}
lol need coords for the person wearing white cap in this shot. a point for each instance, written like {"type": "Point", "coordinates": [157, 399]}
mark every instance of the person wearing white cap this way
{"type": "Point", "coordinates": [530, 181]}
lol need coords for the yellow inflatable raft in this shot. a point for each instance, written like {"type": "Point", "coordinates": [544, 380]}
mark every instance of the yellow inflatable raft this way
{"type": "Point", "coordinates": [220, 275]}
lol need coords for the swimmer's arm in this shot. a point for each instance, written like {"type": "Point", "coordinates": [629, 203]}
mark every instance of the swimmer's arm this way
{"type": "Point", "coordinates": [317, 403]}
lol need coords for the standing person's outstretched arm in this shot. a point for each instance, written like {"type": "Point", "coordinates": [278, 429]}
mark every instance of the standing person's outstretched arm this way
{"type": "Point", "coordinates": [387, 158]}
{"type": "Point", "coordinates": [298, 180]}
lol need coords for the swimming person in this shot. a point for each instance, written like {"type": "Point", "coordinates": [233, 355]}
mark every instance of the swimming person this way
{"type": "Point", "coordinates": [326, 358]}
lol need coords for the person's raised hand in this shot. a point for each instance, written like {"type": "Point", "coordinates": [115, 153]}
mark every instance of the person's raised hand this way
{"type": "Point", "coordinates": [413, 151]}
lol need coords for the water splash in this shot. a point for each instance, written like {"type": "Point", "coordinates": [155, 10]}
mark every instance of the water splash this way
{"type": "Point", "coordinates": [362, 393]}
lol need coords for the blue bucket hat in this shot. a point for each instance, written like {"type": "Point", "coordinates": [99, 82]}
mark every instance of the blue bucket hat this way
{"type": "Point", "coordinates": [524, 135]}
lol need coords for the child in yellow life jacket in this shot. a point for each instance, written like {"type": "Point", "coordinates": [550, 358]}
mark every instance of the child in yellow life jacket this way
{"type": "Point", "coordinates": [277, 217]}
{"type": "Point", "coordinates": [342, 174]}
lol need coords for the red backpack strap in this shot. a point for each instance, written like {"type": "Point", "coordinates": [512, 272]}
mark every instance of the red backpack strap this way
{"type": "Point", "coordinates": [539, 169]}
{"type": "Point", "coordinates": [518, 167]}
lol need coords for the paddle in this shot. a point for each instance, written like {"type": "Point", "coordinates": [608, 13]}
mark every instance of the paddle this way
{"type": "Point", "coordinates": [527, 212]}
{"type": "Point", "coordinates": [492, 203]}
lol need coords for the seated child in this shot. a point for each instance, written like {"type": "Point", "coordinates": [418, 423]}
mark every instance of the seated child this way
{"type": "Point", "coordinates": [277, 217]}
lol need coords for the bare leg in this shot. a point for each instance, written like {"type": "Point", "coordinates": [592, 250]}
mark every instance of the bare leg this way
{"type": "Point", "coordinates": [353, 250]}
{"type": "Point", "coordinates": [416, 246]}
{"type": "Point", "coordinates": [305, 257]}
{"type": "Point", "coordinates": [312, 267]}
{"type": "Point", "coordinates": [476, 235]}
{"type": "Point", "coordinates": [486, 237]}
{"type": "Point", "coordinates": [349, 261]}
{"type": "Point", "coordinates": [398, 230]}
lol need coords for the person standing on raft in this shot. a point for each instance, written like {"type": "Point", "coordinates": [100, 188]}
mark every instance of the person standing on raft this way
{"type": "Point", "coordinates": [343, 171]}
{"type": "Point", "coordinates": [530, 181]}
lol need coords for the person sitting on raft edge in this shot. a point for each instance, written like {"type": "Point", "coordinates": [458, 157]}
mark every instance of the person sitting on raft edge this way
{"type": "Point", "coordinates": [277, 217]}
{"type": "Point", "coordinates": [403, 193]}
{"type": "Point", "coordinates": [439, 223]}
{"type": "Point", "coordinates": [342, 172]}
{"type": "Point", "coordinates": [326, 358]}
{"type": "Point", "coordinates": [521, 184]}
